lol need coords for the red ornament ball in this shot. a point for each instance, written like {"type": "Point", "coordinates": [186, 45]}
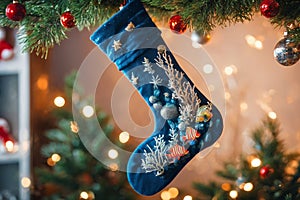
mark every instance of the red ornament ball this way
{"type": "Point", "coordinates": [265, 171]}
{"type": "Point", "coordinates": [6, 50]}
{"type": "Point", "coordinates": [177, 25]}
{"type": "Point", "coordinates": [67, 20]}
{"type": "Point", "coordinates": [15, 11]}
{"type": "Point", "coordinates": [269, 8]}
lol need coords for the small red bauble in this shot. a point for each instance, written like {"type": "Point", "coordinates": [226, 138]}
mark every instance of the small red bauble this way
{"type": "Point", "coordinates": [6, 50]}
{"type": "Point", "coordinates": [67, 20]}
{"type": "Point", "coordinates": [269, 8]}
{"type": "Point", "coordinates": [265, 171]}
{"type": "Point", "coordinates": [177, 25]}
{"type": "Point", "coordinates": [15, 11]}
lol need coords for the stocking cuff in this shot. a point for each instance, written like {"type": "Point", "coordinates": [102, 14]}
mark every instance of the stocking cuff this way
{"type": "Point", "coordinates": [127, 34]}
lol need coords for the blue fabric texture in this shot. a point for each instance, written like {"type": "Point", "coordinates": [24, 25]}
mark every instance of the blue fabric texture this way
{"type": "Point", "coordinates": [133, 42]}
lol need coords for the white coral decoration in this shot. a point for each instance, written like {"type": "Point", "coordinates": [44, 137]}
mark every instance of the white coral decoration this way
{"type": "Point", "coordinates": [173, 137]}
{"type": "Point", "coordinates": [148, 66]}
{"type": "Point", "coordinates": [182, 89]}
{"type": "Point", "coordinates": [156, 159]}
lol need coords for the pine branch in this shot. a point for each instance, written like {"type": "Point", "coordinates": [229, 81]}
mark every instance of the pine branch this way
{"type": "Point", "coordinates": [40, 30]}
{"type": "Point", "coordinates": [277, 183]}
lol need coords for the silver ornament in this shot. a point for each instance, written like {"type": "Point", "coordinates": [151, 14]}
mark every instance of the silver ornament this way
{"type": "Point", "coordinates": [200, 37]}
{"type": "Point", "coordinates": [181, 126]}
{"type": "Point", "coordinates": [157, 105]}
{"type": "Point", "coordinates": [286, 51]}
{"type": "Point", "coordinates": [153, 99]}
{"type": "Point", "coordinates": [169, 111]}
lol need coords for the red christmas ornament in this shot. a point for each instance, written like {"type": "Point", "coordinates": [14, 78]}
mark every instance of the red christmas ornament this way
{"type": "Point", "coordinates": [269, 8]}
{"type": "Point", "coordinates": [67, 20]}
{"type": "Point", "coordinates": [176, 24]}
{"type": "Point", "coordinates": [6, 50]}
{"type": "Point", "coordinates": [15, 11]}
{"type": "Point", "coordinates": [265, 171]}
{"type": "Point", "coordinates": [7, 139]}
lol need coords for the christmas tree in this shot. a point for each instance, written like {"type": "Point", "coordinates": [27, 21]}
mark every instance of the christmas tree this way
{"type": "Point", "coordinates": [270, 173]}
{"type": "Point", "coordinates": [45, 23]}
{"type": "Point", "coordinates": [72, 172]}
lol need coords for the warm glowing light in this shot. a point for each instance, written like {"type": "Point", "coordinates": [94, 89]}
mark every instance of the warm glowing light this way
{"type": "Point", "coordinates": [114, 167]}
{"type": "Point", "coordinates": [255, 162]}
{"type": "Point", "coordinates": [250, 40]}
{"type": "Point", "coordinates": [188, 197]}
{"type": "Point", "coordinates": [174, 192]}
{"type": "Point", "coordinates": [50, 162]}
{"type": "Point", "coordinates": [84, 195]}
{"type": "Point", "coordinates": [253, 42]}
{"type": "Point", "coordinates": [9, 146]}
{"type": "Point", "coordinates": [272, 115]}
{"type": "Point", "coordinates": [59, 101]}
{"type": "Point", "coordinates": [227, 96]}
{"type": "Point", "coordinates": [258, 44]}
{"type": "Point", "coordinates": [208, 68]}
{"type": "Point", "coordinates": [25, 182]}
{"type": "Point", "coordinates": [88, 111]}
{"type": "Point", "coordinates": [248, 187]}
{"type": "Point", "coordinates": [42, 82]}
{"type": "Point", "coordinates": [241, 186]}
{"type": "Point", "coordinates": [243, 106]}
{"type": "Point", "coordinates": [229, 70]}
{"type": "Point", "coordinates": [217, 145]}
{"type": "Point", "coordinates": [124, 137]}
{"type": "Point", "coordinates": [226, 186]}
{"type": "Point", "coordinates": [113, 154]}
{"type": "Point", "coordinates": [55, 157]}
{"type": "Point", "coordinates": [233, 194]}
{"type": "Point", "coordinates": [165, 195]}
{"type": "Point", "coordinates": [74, 127]}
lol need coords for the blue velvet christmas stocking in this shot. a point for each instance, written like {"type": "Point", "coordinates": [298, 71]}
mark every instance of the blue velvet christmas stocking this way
{"type": "Point", "coordinates": [186, 122]}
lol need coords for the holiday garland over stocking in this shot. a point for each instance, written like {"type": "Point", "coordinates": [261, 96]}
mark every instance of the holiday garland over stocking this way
{"type": "Point", "coordinates": [186, 121]}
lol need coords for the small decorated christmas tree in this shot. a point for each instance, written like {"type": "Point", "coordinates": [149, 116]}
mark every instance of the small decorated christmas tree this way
{"type": "Point", "coordinates": [270, 173]}
{"type": "Point", "coordinates": [72, 172]}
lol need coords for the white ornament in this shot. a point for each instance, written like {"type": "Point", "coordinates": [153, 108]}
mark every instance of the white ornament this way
{"type": "Point", "coordinates": [148, 66]}
{"type": "Point", "coordinates": [181, 126]}
{"type": "Point", "coordinates": [157, 106]}
{"type": "Point", "coordinates": [134, 79]}
{"type": "Point", "coordinates": [117, 45]}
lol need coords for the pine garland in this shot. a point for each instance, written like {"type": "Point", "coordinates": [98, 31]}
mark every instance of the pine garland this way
{"type": "Point", "coordinates": [41, 28]}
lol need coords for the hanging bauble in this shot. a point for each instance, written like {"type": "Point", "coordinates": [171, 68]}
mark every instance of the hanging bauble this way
{"type": "Point", "coordinates": [15, 11]}
{"type": "Point", "coordinates": [286, 51]}
{"type": "Point", "coordinates": [200, 37]}
{"type": "Point", "coordinates": [67, 20]}
{"type": "Point", "coordinates": [265, 171]}
{"type": "Point", "coordinates": [269, 8]}
{"type": "Point", "coordinates": [177, 24]}
{"type": "Point", "coordinates": [6, 50]}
